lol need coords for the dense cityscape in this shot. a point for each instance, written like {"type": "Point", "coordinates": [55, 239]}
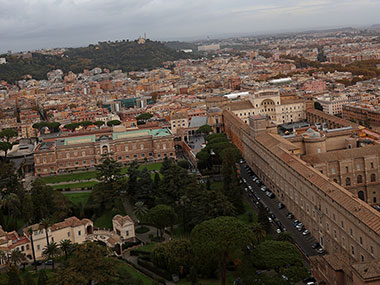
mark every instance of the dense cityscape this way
{"type": "Point", "coordinates": [240, 160]}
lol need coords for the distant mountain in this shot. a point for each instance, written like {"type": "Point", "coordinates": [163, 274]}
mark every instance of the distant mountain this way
{"type": "Point", "coordinates": [125, 55]}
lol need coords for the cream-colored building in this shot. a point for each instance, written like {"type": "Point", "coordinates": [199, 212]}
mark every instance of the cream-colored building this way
{"type": "Point", "coordinates": [269, 103]}
{"type": "Point", "coordinates": [178, 120]}
{"type": "Point", "coordinates": [72, 229]}
{"type": "Point", "coordinates": [124, 227]}
{"type": "Point", "coordinates": [332, 104]}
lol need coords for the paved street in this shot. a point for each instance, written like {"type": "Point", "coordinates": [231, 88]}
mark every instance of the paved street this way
{"type": "Point", "coordinates": [303, 242]}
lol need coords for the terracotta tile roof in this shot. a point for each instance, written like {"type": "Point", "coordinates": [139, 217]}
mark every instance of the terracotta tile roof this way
{"type": "Point", "coordinates": [122, 220]}
{"type": "Point", "coordinates": [240, 105]}
{"type": "Point", "coordinates": [342, 154]}
{"type": "Point", "coordinates": [368, 270]}
{"type": "Point", "coordinates": [68, 222]}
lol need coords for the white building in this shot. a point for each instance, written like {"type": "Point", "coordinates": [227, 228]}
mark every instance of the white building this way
{"type": "Point", "coordinates": [332, 104]}
{"type": "Point", "coordinates": [3, 60]}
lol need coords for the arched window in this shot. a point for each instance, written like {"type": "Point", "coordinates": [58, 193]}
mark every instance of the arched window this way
{"type": "Point", "coordinates": [361, 195]}
{"type": "Point", "coordinates": [360, 179]}
{"type": "Point", "coordinates": [348, 181]}
{"type": "Point", "coordinates": [373, 177]}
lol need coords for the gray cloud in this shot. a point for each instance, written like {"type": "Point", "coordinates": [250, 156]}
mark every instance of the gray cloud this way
{"type": "Point", "coordinates": [32, 24]}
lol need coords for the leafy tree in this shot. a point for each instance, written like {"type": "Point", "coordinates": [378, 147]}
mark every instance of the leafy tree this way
{"type": "Point", "coordinates": [205, 130]}
{"type": "Point", "coordinates": [145, 188]}
{"type": "Point", "coordinates": [89, 264]}
{"type": "Point", "coordinates": [214, 241]}
{"type": "Point", "coordinates": [184, 164]}
{"type": "Point", "coordinates": [71, 126]}
{"type": "Point", "coordinates": [318, 106]}
{"type": "Point", "coordinates": [105, 193]}
{"type": "Point", "coordinates": [5, 147]}
{"type": "Point", "coordinates": [99, 123]}
{"type": "Point", "coordinates": [263, 218]}
{"type": "Point", "coordinates": [271, 254]}
{"type": "Point", "coordinates": [47, 202]}
{"type": "Point", "coordinates": [53, 126]}
{"type": "Point", "coordinates": [51, 251]}
{"type": "Point", "coordinates": [176, 256]}
{"type": "Point", "coordinates": [162, 216]}
{"type": "Point", "coordinates": [86, 124]}
{"type": "Point", "coordinates": [7, 134]}
{"type": "Point", "coordinates": [133, 174]}
{"type": "Point", "coordinates": [113, 123]}
{"type": "Point", "coordinates": [231, 185]}
{"type": "Point", "coordinates": [144, 116]}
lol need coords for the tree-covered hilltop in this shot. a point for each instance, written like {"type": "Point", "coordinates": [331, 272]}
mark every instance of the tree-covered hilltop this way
{"type": "Point", "coordinates": [125, 55]}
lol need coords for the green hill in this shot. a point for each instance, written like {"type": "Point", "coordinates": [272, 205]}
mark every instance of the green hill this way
{"type": "Point", "coordinates": [125, 55]}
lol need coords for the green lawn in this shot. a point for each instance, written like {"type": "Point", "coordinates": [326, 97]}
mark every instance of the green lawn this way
{"type": "Point", "coordinates": [77, 198]}
{"type": "Point", "coordinates": [134, 273]}
{"type": "Point", "coordinates": [105, 220]}
{"type": "Point", "coordinates": [78, 185]}
{"type": "Point", "coordinates": [69, 177]}
{"type": "Point", "coordinates": [230, 278]}
{"type": "Point", "coordinates": [148, 247]}
{"type": "Point", "coordinates": [79, 176]}
{"type": "Point", "coordinates": [151, 166]}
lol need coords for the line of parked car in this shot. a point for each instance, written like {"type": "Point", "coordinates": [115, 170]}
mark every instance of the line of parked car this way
{"type": "Point", "coordinates": [271, 217]}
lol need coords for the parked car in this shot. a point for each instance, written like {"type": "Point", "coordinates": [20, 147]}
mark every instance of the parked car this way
{"type": "Point", "coordinates": [271, 195]}
{"type": "Point", "coordinates": [315, 245]}
{"type": "Point", "coordinates": [250, 187]}
{"type": "Point", "coordinates": [309, 279]}
{"type": "Point", "coordinates": [290, 215]}
{"type": "Point", "coordinates": [281, 206]}
{"type": "Point", "coordinates": [321, 250]}
{"type": "Point", "coordinates": [278, 231]}
{"type": "Point", "coordinates": [305, 233]}
{"type": "Point", "coordinates": [49, 262]}
{"type": "Point", "coordinates": [270, 219]}
{"type": "Point", "coordinates": [245, 181]}
{"type": "Point", "coordinates": [246, 189]}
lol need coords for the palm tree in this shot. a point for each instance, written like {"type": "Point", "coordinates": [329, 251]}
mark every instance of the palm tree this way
{"type": "Point", "coordinates": [258, 231]}
{"type": "Point", "coordinates": [16, 257]}
{"type": "Point", "coordinates": [12, 203]}
{"type": "Point", "coordinates": [285, 236]}
{"type": "Point", "coordinates": [45, 224]}
{"type": "Point", "coordinates": [30, 232]}
{"type": "Point", "coordinates": [51, 251]}
{"type": "Point", "coordinates": [140, 209]}
{"type": "Point", "coordinates": [67, 247]}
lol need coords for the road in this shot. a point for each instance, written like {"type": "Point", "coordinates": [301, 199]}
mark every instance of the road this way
{"type": "Point", "coordinates": [303, 242]}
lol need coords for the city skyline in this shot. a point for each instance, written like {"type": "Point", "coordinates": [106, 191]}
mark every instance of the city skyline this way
{"type": "Point", "coordinates": [28, 25]}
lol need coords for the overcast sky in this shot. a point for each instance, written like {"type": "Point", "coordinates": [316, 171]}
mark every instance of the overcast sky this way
{"type": "Point", "coordinates": [33, 24]}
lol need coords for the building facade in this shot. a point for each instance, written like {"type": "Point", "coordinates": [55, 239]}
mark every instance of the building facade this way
{"type": "Point", "coordinates": [71, 153]}
{"type": "Point", "coordinates": [341, 222]}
